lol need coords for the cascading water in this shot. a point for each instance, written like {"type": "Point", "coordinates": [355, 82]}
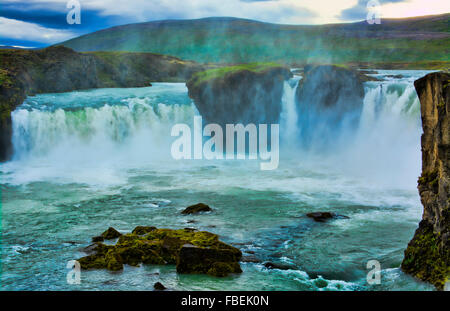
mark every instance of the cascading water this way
{"type": "Point", "coordinates": [289, 117]}
{"type": "Point", "coordinates": [88, 160]}
{"type": "Point", "coordinates": [109, 127]}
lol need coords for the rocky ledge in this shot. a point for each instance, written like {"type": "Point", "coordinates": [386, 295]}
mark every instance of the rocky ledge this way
{"type": "Point", "coordinates": [190, 250]}
{"type": "Point", "coordinates": [60, 69]}
{"type": "Point", "coordinates": [427, 256]}
{"type": "Point", "coordinates": [248, 93]}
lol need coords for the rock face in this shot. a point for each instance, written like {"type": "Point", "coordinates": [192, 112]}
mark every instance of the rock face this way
{"type": "Point", "coordinates": [60, 69]}
{"type": "Point", "coordinates": [192, 252]}
{"type": "Point", "coordinates": [330, 100]}
{"type": "Point", "coordinates": [428, 254]}
{"type": "Point", "coordinates": [244, 94]}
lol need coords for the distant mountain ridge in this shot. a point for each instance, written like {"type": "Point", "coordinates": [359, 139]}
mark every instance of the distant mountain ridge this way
{"type": "Point", "coordinates": [234, 40]}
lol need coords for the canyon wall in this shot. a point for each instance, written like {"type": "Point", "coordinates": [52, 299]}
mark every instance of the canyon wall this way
{"type": "Point", "coordinates": [428, 254]}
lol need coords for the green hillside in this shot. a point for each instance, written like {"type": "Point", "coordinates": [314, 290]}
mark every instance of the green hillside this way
{"type": "Point", "coordinates": [231, 40]}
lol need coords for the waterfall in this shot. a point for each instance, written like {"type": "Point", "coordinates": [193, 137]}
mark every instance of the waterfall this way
{"type": "Point", "coordinates": [135, 125]}
{"type": "Point", "coordinates": [289, 116]}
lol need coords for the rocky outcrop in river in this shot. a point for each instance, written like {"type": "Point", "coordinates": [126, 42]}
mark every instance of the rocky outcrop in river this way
{"type": "Point", "coordinates": [192, 251]}
{"type": "Point", "coordinates": [249, 93]}
{"type": "Point", "coordinates": [428, 254]}
{"type": "Point", "coordinates": [60, 69]}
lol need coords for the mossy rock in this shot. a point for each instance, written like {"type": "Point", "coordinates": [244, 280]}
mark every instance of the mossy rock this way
{"type": "Point", "coordinates": [141, 230]}
{"type": "Point", "coordinates": [426, 258]}
{"type": "Point", "coordinates": [190, 250]}
{"type": "Point", "coordinates": [213, 261]}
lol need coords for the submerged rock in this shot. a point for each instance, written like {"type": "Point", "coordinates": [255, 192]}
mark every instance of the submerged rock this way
{"type": "Point", "coordinates": [279, 266]}
{"type": "Point", "coordinates": [250, 258]}
{"type": "Point", "coordinates": [191, 251]}
{"type": "Point", "coordinates": [197, 208]}
{"type": "Point", "coordinates": [323, 216]}
{"type": "Point", "coordinates": [427, 256]}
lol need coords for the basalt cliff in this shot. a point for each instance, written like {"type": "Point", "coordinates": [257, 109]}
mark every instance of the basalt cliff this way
{"type": "Point", "coordinates": [329, 100]}
{"type": "Point", "coordinates": [249, 93]}
{"type": "Point", "coordinates": [60, 69]}
{"type": "Point", "coordinates": [427, 256]}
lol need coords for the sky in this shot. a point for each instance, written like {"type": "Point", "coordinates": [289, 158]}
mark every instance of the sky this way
{"type": "Point", "coordinates": [38, 23]}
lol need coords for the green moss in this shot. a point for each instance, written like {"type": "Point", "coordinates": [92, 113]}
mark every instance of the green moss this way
{"type": "Point", "coordinates": [430, 179]}
{"type": "Point", "coordinates": [426, 257]}
{"type": "Point", "coordinates": [149, 245]}
{"type": "Point", "coordinates": [113, 261]}
{"type": "Point", "coordinates": [96, 261]}
{"type": "Point", "coordinates": [111, 233]}
{"type": "Point", "coordinates": [5, 78]}
{"type": "Point", "coordinates": [216, 73]}
{"type": "Point", "coordinates": [141, 230]}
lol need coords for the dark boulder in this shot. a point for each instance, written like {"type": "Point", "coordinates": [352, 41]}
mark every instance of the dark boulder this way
{"type": "Point", "coordinates": [320, 216]}
{"type": "Point", "coordinates": [324, 216]}
{"type": "Point", "coordinates": [111, 234]}
{"type": "Point", "coordinates": [195, 209]}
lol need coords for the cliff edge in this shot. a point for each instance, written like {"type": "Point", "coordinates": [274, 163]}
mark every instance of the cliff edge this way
{"type": "Point", "coordinates": [427, 256]}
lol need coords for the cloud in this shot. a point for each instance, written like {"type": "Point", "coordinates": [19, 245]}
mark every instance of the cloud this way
{"type": "Point", "coordinates": [20, 30]}
{"type": "Point", "coordinates": [359, 11]}
{"type": "Point", "coordinates": [276, 11]}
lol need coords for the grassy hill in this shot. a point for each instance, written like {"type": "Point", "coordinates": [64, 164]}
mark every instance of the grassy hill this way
{"type": "Point", "coordinates": [232, 40]}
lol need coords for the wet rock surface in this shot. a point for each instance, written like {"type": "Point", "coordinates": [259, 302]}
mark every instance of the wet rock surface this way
{"type": "Point", "coordinates": [195, 209]}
